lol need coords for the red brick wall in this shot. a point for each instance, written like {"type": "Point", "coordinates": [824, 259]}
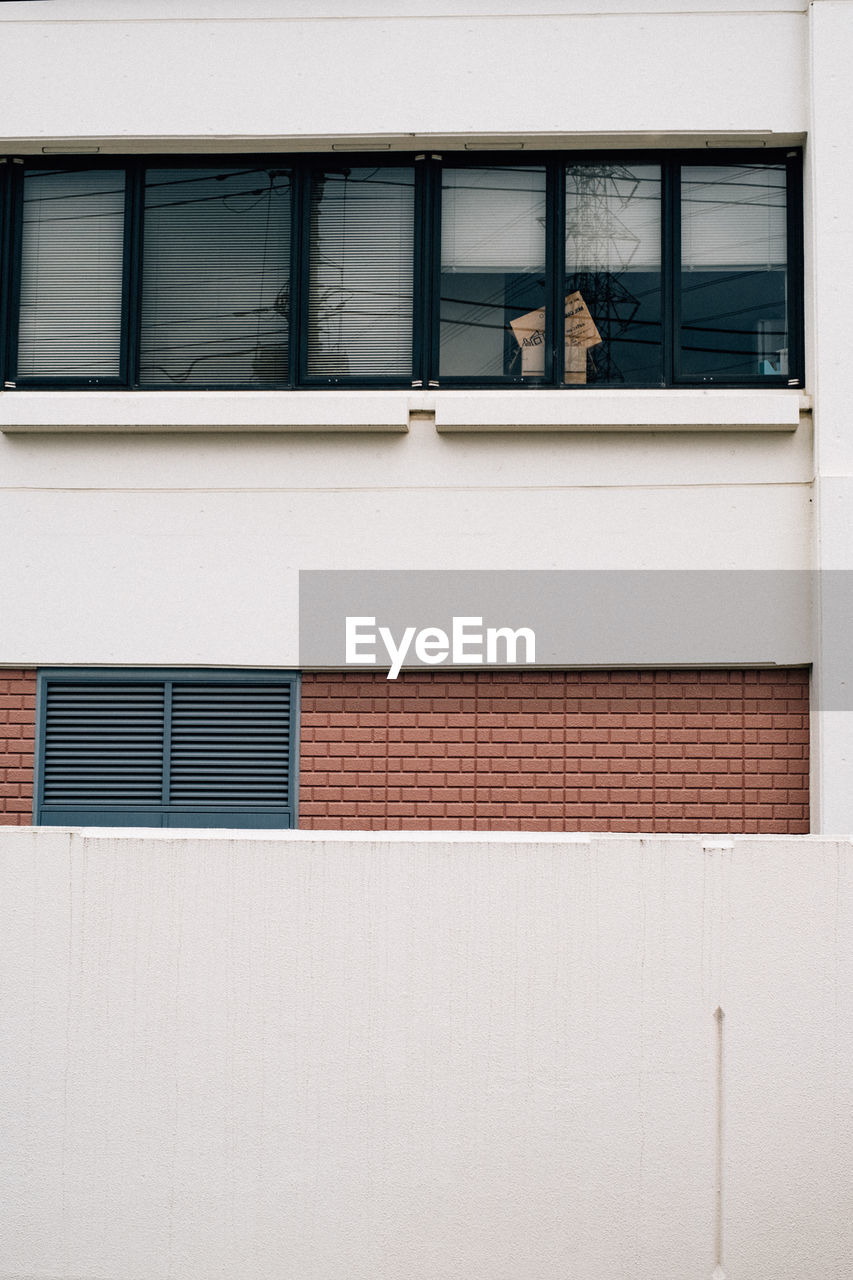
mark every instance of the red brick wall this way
{"type": "Point", "coordinates": [17, 745]}
{"type": "Point", "coordinates": [665, 751]}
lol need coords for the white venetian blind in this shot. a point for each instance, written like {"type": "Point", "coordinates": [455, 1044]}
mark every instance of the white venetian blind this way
{"type": "Point", "coordinates": [216, 271]}
{"type": "Point", "coordinates": [733, 216]}
{"type": "Point", "coordinates": [71, 274]}
{"type": "Point", "coordinates": [493, 220]}
{"type": "Point", "coordinates": [361, 272]}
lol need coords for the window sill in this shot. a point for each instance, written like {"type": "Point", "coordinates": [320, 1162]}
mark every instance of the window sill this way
{"type": "Point", "coordinates": [668, 409]}
{"type": "Point", "coordinates": [129, 412]}
{"type": "Point", "coordinates": [132, 412]}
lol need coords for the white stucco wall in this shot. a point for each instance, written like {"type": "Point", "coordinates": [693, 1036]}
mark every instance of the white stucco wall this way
{"type": "Point", "coordinates": [382, 1056]}
{"type": "Point", "coordinates": [831, 250]}
{"type": "Point", "coordinates": [182, 549]}
{"type": "Point", "coordinates": [185, 549]}
{"type": "Point", "coordinates": [143, 71]}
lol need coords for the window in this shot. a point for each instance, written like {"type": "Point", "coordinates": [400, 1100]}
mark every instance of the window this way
{"type": "Point", "coordinates": [361, 264]}
{"type": "Point", "coordinates": [172, 749]}
{"type": "Point", "coordinates": [733, 286]}
{"type": "Point", "coordinates": [613, 270]}
{"type": "Point", "coordinates": [585, 270]}
{"type": "Point", "coordinates": [71, 287]}
{"type": "Point", "coordinates": [215, 277]}
{"type": "Point", "coordinates": [493, 272]}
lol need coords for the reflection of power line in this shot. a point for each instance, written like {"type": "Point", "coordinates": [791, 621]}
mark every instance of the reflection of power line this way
{"type": "Point", "coordinates": [206, 175]}
{"type": "Point", "coordinates": [361, 224]}
{"type": "Point", "coordinates": [162, 348]}
{"type": "Point", "coordinates": [175, 321]}
{"type": "Point", "coordinates": [209, 175]}
{"type": "Point", "coordinates": [267, 360]}
{"type": "Point", "coordinates": [117, 211]}
{"type": "Point", "coordinates": [187, 373]}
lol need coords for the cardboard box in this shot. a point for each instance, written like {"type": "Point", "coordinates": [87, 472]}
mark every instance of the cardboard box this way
{"type": "Point", "coordinates": [575, 364]}
{"type": "Point", "coordinates": [581, 334]}
{"type": "Point", "coordinates": [529, 333]}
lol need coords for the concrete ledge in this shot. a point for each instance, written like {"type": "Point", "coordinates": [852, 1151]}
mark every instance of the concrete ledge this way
{"type": "Point", "coordinates": [412, 839]}
{"type": "Point", "coordinates": [466, 411]}
{"type": "Point", "coordinates": [152, 411]}
{"type": "Point", "coordinates": [646, 410]}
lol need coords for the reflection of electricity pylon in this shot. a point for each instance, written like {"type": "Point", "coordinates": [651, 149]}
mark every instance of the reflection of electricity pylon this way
{"type": "Point", "coordinates": [599, 247]}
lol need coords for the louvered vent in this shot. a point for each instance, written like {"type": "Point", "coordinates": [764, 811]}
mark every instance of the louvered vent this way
{"type": "Point", "coordinates": [103, 744]}
{"type": "Point", "coordinates": [230, 744]}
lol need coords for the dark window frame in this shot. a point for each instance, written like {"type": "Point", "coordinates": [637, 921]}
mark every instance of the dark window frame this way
{"type": "Point", "coordinates": [252, 815]}
{"type": "Point", "coordinates": [426, 263]}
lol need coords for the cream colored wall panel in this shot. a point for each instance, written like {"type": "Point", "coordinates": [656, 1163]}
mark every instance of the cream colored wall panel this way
{"type": "Point", "coordinates": [829, 248]}
{"type": "Point", "coordinates": [360, 1057]}
{"type": "Point", "coordinates": [141, 576]}
{"type": "Point", "coordinates": [473, 75]}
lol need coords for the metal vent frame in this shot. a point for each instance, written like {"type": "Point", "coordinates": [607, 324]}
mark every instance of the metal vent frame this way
{"type": "Point", "coordinates": [228, 761]}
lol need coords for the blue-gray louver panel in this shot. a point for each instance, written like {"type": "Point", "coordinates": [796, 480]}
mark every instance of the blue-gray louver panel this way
{"type": "Point", "coordinates": [230, 744]}
{"type": "Point", "coordinates": [103, 743]}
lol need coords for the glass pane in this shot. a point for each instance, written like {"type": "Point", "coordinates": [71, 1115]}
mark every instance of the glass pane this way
{"type": "Point", "coordinates": [613, 274]}
{"type": "Point", "coordinates": [71, 274]}
{"type": "Point", "coordinates": [360, 293]}
{"type": "Point", "coordinates": [733, 271]}
{"type": "Point", "coordinates": [492, 272]}
{"type": "Point", "coordinates": [216, 276]}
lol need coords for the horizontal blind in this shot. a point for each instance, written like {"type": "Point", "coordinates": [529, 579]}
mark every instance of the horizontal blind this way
{"type": "Point", "coordinates": [72, 256]}
{"type": "Point", "coordinates": [733, 216]}
{"type": "Point", "coordinates": [230, 744]}
{"type": "Point", "coordinates": [361, 272]}
{"type": "Point", "coordinates": [215, 282]}
{"type": "Point", "coordinates": [493, 220]}
{"type": "Point", "coordinates": [613, 218]}
{"type": "Point", "coordinates": [103, 743]}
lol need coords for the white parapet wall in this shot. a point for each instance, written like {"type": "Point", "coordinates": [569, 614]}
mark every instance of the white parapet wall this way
{"type": "Point", "coordinates": [475, 1057]}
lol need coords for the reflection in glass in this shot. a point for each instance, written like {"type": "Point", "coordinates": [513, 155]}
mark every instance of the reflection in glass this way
{"type": "Point", "coordinates": [733, 271]}
{"type": "Point", "coordinates": [613, 274]}
{"type": "Point", "coordinates": [361, 272]}
{"type": "Point", "coordinates": [71, 274]}
{"type": "Point", "coordinates": [492, 273]}
{"type": "Point", "coordinates": [216, 269]}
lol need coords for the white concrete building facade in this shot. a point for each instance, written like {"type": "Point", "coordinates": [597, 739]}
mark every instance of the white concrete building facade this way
{"type": "Point", "coordinates": [150, 528]}
{"type": "Point", "coordinates": [274, 283]}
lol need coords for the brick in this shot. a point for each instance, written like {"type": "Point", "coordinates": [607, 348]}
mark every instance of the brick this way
{"type": "Point", "coordinates": [527, 737]}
